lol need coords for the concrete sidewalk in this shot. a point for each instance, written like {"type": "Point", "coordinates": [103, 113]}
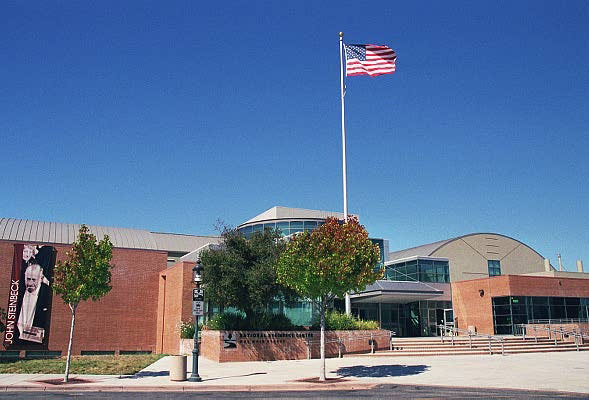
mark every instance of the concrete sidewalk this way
{"type": "Point", "coordinates": [538, 371]}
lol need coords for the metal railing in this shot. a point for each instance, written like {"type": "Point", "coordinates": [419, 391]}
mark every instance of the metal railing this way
{"type": "Point", "coordinates": [559, 321]}
{"type": "Point", "coordinates": [578, 337]}
{"type": "Point", "coordinates": [444, 329]}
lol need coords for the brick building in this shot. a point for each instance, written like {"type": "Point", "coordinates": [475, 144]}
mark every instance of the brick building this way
{"type": "Point", "coordinates": [485, 281]}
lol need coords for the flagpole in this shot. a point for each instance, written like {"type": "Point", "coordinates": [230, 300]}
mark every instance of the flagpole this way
{"type": "Point", "coordinates": [344, 173]}
{"type": "Point", "coordinates": [348, 301]}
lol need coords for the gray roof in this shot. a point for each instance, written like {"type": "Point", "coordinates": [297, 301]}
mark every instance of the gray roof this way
{"type": "Point", "coordinates": [402, 286]}
{"type": "Point", "coordinates": [24, 230]}
{"type": "Point", "coordinates": [425, 250]}
{"type": "Point", "coordinates": [279, 212]}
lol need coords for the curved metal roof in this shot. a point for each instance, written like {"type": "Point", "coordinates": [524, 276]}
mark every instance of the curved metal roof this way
{"type": "Point", "coordinates": [427, 250]}
{"type": "Point", "coordinates": [24, 230]}
{"type": "Point", "coordinates": [279, 212]}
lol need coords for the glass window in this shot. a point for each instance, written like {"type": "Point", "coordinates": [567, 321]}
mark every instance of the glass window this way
{"type": "Point", "coordinates": [246, 231]}
{"type": "Point", "coordinates": [258, 227]}
{"type": "Point", "coordinates": [310, 225]}
{"type": "Point", "coordinates": [296, 224]}
{"type": "Point", "coordinates": [283, 227]}
{"type": "Point", "coordinates": [494, 267]}
{"type": "Point", "coordinates": [271, 225]}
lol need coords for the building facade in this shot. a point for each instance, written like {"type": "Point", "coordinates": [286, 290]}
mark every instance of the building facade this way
{"type": "Point", "coordinates": [487, 282]}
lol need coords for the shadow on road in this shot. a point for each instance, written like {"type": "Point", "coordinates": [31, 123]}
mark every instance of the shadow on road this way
{"type": "Point", "coordinates": [381, 371]}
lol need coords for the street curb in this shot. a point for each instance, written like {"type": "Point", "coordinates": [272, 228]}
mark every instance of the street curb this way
{"type": "Point", "coordinates": [190, 388]}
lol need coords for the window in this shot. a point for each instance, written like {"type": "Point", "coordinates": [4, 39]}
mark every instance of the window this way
{"type": "Point", "coordinates": [494, 267]}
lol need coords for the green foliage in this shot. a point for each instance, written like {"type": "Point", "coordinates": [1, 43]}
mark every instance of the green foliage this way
{"type": "Point", "coordinates": [330, 261]}
{"type": "Point", "coordinates": [336, 321]}
{"type": "Point", "coordinates": [86, 272]}
{"type": "Point", "coordinates": [270, 322]}
{"type": "Point", "coordinates": [242, 273]}
{"type": "Point", "coordinates": [227, 321]}
{"type": "Point", "coordinates": [266, 321]}
{"type": "Point", "coordinates": [186, 330]}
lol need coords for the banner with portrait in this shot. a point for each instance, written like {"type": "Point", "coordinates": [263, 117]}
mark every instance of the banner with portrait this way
{"type": "Point", "coordinates": [28, 315]}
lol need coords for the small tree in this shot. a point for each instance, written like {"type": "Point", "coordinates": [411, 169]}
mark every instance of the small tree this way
{"type": "Point", "coordinates": [84, 275]}
{"type": "Point", "coordinates": [327, 263]}
{"type": "Point", "coordinates": [242, 273]}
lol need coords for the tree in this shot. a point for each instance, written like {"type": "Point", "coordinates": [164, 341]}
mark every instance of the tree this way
{"type": "Point", "coordinates": [85, 274]}
{"type": "Point", "coordinates": [242, 272]}
{"type": "Point", "coordinates": [329, 262]}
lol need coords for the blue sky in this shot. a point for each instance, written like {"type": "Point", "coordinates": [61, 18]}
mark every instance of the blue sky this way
{"type": "Point", "coordinates": [170, 115]}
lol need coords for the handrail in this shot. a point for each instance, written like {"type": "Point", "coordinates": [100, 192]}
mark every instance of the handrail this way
{"type": "Point", "coordinates": [558, 321]}
{"type": "Point", "coordinates": [445, 328]}
{"type": "Point", "coordinates": [576, 335]}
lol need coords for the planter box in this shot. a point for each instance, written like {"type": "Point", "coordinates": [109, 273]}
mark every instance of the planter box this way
{"type": "Point", "coordinates": [225, 346]}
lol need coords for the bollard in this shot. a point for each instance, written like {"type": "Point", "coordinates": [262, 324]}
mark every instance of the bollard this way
{"type": "Point", "coordinates": [371, 343]}
{"type": "Point", "coordinates": [178, 368]}
{"type": "Point", "coordinates": [339, 348]}
{"type": "Point", "coordinates": [308, 348]}
{"type": "Point", "coordinates": [502, 347]}
{"type": "Point", "coordinates": [490, 350]}
{"type": "Point", "coordinates": [535, 337]}
{"type": "Point", "coordinates": [452, 338]}
{"type": "Point", "coordinates": [470, 340]}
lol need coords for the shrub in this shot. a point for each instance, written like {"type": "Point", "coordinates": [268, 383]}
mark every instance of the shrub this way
{"type": "Point", "coordinates": [264, 321]}
{"type": "Point", "coordinates": [336, 321]}
{"type": "Point", "coordinates": [268, 321]}
{"type": "Point", "coordinates": [186, 330]}
{"type": "Point", "coordinates": [227, 321]}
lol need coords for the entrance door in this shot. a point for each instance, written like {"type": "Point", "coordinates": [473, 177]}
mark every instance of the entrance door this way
{"type": "Point", "coordinates": [448, 318]}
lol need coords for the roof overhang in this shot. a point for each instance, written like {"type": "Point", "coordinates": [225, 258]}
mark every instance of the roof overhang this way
{"type": "Point", "coordinates": [401, 292]}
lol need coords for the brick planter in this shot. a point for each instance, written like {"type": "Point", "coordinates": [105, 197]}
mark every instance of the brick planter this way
{"type": "Point", "coordinates": [224, 346]}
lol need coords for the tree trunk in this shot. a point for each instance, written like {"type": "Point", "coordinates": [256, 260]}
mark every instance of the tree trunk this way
{"type": "Point", "coordinates": [69, 346]}
{"type": "Point", "coordinates": [322, 346]}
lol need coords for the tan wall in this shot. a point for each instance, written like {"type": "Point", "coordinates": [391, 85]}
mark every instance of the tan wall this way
{"type": "Point", "coordinates": [469, 255]}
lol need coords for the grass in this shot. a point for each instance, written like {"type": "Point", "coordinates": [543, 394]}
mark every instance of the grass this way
{"type": "Point", "coordinates": [90, 365]}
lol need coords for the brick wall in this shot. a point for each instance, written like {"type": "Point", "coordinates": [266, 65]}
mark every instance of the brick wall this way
{"type": "Point", "coordinates": [123, 320]}
{"type": "Point", "coordinates": [472, 309]}
{"type": "Point", "coordinates": [174, 305]}
{"type": "Point", "coordinates": [285, 345]}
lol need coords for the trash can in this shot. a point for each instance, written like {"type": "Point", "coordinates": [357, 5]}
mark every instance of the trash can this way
{"type": "Point", "coordinates": [177, 368]}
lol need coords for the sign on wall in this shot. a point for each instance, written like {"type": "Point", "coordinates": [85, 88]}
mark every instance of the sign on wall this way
{"type": "Point", "coordinates": [28, 314]}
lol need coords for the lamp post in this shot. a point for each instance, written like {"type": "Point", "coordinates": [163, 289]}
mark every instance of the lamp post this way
{"type": "Point", "coordinates": [197, 298]}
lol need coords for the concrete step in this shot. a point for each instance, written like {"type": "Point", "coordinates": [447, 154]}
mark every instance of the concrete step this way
{"type": "Point", "coordinates": [481, 348]}
{"type": "Point", "coordinates": [476, 351]}
{"type": "Point", "coordinates": [397, 345]}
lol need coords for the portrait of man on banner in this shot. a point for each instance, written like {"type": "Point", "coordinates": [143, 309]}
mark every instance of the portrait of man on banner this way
{"type": "Point", "coordinates": [30, 296]}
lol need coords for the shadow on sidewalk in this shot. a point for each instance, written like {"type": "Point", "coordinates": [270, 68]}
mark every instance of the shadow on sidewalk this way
{"type": "Point", "coordinates": [146, 374]}
{"type": "Point", "coordinates": [381, 371]}
{"type": "Point", "coordinates": [236, 376]}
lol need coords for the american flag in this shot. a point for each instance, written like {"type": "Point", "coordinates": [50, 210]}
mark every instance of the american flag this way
{"type": "Point", "coordinates": [369, 59]}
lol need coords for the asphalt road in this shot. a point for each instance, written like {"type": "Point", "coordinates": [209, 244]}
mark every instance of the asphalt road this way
{"type": "Point", "coordinates": [381, 392]}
